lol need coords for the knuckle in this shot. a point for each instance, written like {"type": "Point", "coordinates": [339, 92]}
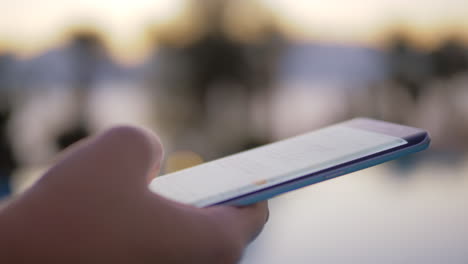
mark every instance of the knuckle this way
{"type": "Point", "coordinates": [131, 138]}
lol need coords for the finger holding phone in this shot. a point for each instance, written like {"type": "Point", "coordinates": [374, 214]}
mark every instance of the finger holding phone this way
{"type": "Point", "coordinates": [93, 206]}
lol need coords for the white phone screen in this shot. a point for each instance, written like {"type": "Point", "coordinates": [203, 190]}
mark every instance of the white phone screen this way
{"type": "Point", "coordinates": [269, 165]}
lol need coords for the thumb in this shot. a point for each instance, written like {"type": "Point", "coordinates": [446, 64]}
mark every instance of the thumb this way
{"type": "Point", "coordinates": [92, 195]}
{"type": "Point", "coordinates": [121, 157]}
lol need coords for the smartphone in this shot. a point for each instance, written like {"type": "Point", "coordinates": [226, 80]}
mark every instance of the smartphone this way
{"type": "Point", "coordinates": [267, 171]}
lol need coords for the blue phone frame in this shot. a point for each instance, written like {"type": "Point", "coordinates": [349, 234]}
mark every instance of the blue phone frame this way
{"type": "Point", "coordinates": [416, 142]}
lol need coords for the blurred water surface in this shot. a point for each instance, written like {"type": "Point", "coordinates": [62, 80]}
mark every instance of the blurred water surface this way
{"type": "Point", "coordinates": [379, 215]}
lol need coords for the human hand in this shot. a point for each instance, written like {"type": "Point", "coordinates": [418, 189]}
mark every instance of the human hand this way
{"type": "Point", "coordinates": [94, 206]}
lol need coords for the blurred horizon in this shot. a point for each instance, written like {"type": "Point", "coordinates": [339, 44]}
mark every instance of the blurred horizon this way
{"type": "Point", "coordinates": [125, 27]}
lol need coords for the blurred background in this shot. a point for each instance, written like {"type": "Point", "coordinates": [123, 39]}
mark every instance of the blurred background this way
{"type": "Point", "coordinates": [214, 77]}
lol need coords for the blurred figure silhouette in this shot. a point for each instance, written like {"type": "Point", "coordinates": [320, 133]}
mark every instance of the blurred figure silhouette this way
{"type": "Point", "coordinates": [53, 90]}
{"type": "Point", "coordinates": [86, 56]}
{"type": "Point", "coordinates": [8, 163]}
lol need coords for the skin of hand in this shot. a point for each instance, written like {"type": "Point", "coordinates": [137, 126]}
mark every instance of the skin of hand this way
{"type": "Point", "coordinates": [94, 206]}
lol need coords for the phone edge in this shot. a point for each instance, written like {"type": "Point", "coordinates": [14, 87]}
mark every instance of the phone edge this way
{"type": "Point", "coordinates": [327, 175]}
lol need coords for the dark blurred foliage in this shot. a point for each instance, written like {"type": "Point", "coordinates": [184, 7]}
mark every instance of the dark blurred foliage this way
{"type": "Point", "coordinates": [216, 64]}
{"type": "Point", "coordinates": [8, 163]}
{"type": "Point", "coordinates": [415, 69]}
{"type": "Point", "coordinates": [450, 59]}
{"type": "Point", "coordinates": [428, 88]}
{"type": "Point", "coordinates": [409, 67]}
{"type": "Point", "coordinates": [206, 93]}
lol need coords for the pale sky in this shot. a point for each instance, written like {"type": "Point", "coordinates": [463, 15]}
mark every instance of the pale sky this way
{"type": "Point", "coordinates": [359, 19]}
{"type": "Point", "coordinates": [32, 24]}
